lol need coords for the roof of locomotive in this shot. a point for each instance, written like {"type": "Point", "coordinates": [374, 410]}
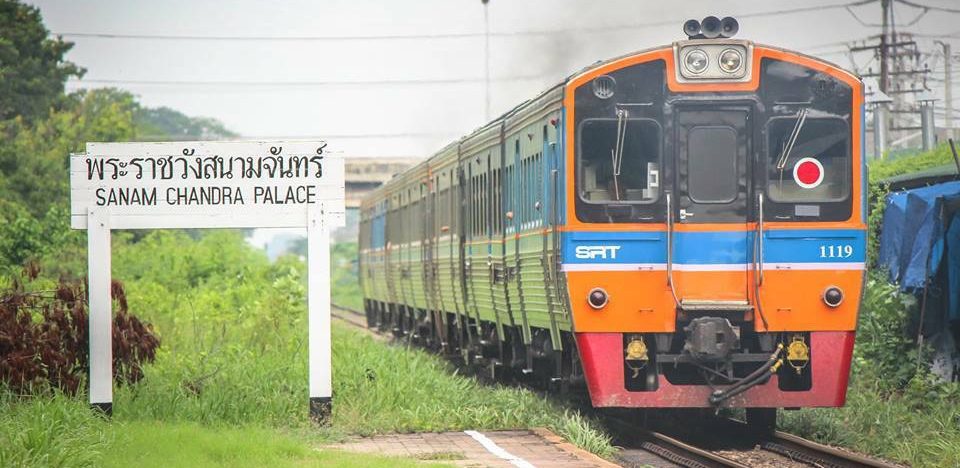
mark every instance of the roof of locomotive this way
{"type": "Point", "coordinates": [379, 192]}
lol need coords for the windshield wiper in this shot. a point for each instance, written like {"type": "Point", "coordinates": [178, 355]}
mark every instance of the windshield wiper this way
{"type": "Point", "coordinates": [616, 153]}
{"type": "Point", "coordinates": [792, 140]}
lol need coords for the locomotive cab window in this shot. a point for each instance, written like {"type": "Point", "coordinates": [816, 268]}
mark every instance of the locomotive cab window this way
{"type": "Point", "coordinates": [808, 159]}
{"type": "Point", "coordinates": [619, 161]}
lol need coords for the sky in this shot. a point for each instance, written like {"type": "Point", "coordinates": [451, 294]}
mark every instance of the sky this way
{"type": "Point", "coordinates": [347, 70]}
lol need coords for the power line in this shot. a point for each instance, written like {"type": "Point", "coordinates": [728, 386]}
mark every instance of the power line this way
{"type": "Point", "coordinates": [928, 7]}
{"type": "Point", "coordinates": [466, 35]}
{"type": "Point", "coordinates": [282, 38]}
{"type": "Point", "coordinates": [400, 82]}
{"type": "Point", "coordinates": [329, 136]}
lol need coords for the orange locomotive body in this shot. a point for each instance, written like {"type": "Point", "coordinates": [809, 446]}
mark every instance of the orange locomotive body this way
{"type": "Point", "coordinates": [705, 228]}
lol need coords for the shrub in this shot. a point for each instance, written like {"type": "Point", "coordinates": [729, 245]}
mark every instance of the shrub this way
{"type": "Point", "coordinates": [44, 340]}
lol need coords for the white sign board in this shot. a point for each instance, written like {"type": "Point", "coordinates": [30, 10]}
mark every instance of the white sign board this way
{"type": "Point", "coordinates": [208, 185]}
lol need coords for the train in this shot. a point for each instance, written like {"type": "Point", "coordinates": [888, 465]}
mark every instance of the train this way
{"type": "Point", "coordinates": [680, 227]}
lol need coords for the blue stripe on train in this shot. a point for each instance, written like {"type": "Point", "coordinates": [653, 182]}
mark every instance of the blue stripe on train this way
{"type": "Point", "coordinates": [780, 246]}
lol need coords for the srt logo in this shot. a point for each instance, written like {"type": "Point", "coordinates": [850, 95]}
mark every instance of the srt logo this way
{"type": "Point", "coordinates": [591, 252]}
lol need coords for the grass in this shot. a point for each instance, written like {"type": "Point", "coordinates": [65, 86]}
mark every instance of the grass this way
{"type": "Point", "coordinates": [378, 388]}
{"type": "Point", "coordinates": [922, 430]}
{"type": "Point", "coordinates": [158, 444]}
{"type": "Point", "coordinates": [229, 385]}
{"type": "Point", "coordinates": [50, 430]}
{"type": "Point", "coordinates": [394, 389]}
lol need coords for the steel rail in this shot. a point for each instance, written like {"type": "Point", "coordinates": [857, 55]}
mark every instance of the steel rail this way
{"type": "Point", "coordinates": [684, 454]}
{"type": "Point", "coordinates": [818, 454]}
{"type": "Point", "coordinates": [814, 453]}
{"type": "Point", "coordinates": [712, 458]}
{"type": "Point", "coordinates": [666, 447]}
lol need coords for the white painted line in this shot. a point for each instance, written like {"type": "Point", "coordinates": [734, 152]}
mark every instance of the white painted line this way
{"type": "Point", "coordinates": [495, 449]}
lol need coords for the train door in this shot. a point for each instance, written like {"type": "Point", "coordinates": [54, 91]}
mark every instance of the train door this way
{"type": "Point", "coordinates": [713, 195]}
{"type": "Point", "coordinates": [545, 187]}
{"type": "Point", "coordinates": [389, 256]}
{"type": "Point", "coordinates": [515, 274]}
{"type": "Point", "coordinates": [430, 247]}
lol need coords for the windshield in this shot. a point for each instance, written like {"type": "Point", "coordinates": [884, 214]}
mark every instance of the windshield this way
{"type": "Point", "coordinates": [808, 159]}
{"type": "Point", "coordinates": [619, 161]}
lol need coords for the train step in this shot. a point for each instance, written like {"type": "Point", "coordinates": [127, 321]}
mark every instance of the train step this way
{"type": "Point", "coordinates": [700, 305]}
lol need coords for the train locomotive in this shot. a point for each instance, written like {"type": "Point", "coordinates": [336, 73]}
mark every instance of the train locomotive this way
{"type": "Point", "coordinates": [682, 227]}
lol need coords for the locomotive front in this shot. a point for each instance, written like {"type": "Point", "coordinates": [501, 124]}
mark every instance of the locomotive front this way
{"type": "Point", "coordinates": [714, 241]}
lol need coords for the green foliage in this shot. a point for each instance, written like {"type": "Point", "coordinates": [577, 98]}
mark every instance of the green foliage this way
{"type": "Point", "coordinates": [344, 276]}
{"type": "Point", "coordinates": [164, 123]}
{"type": "Point", "coordinates": [234, 330]}
{"type": "Point", "coordinates": [916, 427]}
{"type": "Point", "coordinates": [386, 389]}
{"type": "Point", "coordinates": [50, 430]}
{"type": "Point", "coordinates": [32, 66]}
{"type": "Point", "coordinates": [34, 156]}
{"type": "Point", "coordinates": [152, 444]}
{"type": "Point", "coordinates": [882, 169]}
{"type": "Point", "coordinates": [883, 346]}
{"type": "Point", "coordinates": [34, 169]}
{"type": "Point", "coordinates": [24, 237]}
{"type": "Point", "coordinates": [234, 357]}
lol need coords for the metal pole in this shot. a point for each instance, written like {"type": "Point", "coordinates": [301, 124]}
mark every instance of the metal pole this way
{"type": "Point", "coordinates": [486, 59]}
{"type": "Point", "coordinates": [884, 67]}
{"type": "Point", "coordinates": [879, 131]}
{"type": "Point", "coordinates": [927, 125]}
{"type": "Point", "coordinates": [948, 86]}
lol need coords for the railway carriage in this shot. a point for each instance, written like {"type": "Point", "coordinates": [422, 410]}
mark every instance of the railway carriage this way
{"type": "Point", "coordinates": [678, 227]}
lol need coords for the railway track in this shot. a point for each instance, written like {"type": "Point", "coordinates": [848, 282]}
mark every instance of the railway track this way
{"type": "Point", "coordinates": [642, 447]}
{"type": "Point", "coordinates": [725, 446]}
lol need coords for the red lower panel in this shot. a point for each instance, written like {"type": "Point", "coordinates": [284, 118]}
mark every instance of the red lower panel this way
{"type": "Point", "coordinates": [603, 365]}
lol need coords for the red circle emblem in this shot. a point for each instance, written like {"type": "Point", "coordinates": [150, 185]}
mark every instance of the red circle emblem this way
{"type": "Point", "coordinates": [808, 173]}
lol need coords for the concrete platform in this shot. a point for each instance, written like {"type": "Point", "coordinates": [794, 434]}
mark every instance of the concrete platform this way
{"type": "Point", "coordinates": [507, 449]}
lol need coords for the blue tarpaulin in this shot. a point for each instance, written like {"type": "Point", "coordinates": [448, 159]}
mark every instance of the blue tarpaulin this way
{"type": "Point", "coordinates": [919, 232]}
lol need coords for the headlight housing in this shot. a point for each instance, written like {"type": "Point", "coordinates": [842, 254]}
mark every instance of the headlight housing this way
{"type": "Point", "coordinates": [702, 60]}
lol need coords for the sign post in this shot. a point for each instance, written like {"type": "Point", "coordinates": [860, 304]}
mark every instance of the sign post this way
{"type": "Point", "coordinates": [208, 185]}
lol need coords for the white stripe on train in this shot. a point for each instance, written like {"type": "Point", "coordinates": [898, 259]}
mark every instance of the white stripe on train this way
{"type": "Point", "coordinates": [712, 266]}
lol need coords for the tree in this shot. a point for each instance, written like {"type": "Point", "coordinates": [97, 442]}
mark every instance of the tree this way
{"type": "Point", "coordinates": [32, 67]}
{"type": "Point", "coordinates": [163, 123]}
{"type": "Point", "coordinates": [34, 158]}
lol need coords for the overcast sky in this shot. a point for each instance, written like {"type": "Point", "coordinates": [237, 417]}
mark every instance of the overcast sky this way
{"type": "Point", "coordinates": [301, 87]}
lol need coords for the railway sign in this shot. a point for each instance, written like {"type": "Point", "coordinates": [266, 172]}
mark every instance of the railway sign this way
{"type": "Point", "coordinates": [241, 184]}
{"type": "Point", "coordinates": [808, 173]}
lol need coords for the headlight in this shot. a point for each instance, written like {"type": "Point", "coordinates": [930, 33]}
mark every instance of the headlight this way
{"type": "Point", "coordinates": [713, 60]}
{"type": "Point", "coordinates": [696, 61]}
{"type": "Point", "coordinates": [731, 60]}
{"type": "Point", "coordinates": [597, 298]}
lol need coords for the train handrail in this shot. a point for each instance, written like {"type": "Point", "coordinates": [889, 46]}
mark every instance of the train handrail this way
{"type": "Point", "coordinates": [759, 259]}
{"type": "Point", "coordinates": [673, 290]}
{"type": "Point", "coordinates": [758, 262]}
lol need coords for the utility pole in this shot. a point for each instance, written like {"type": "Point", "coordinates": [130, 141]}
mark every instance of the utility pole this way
{"type": "Point", "coordinates": [947, 86]}
{"type": "Point", "coordinates": [884, 67]}
{"type": "Point", "coordinates": [486, 59]}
